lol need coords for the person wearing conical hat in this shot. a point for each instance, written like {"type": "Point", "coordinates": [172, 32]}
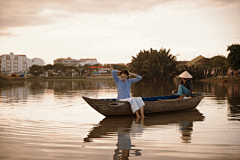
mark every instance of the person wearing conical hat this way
{"type": "Point", "coordinates": [185, 87]}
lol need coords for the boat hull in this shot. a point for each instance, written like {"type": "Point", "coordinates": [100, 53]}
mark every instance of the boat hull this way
{"type": "Point", "coordinates": [111, 108]}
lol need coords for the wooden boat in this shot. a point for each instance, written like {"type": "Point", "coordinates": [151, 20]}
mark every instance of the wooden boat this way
{"type": "Point", "coordinates": [112, 107]}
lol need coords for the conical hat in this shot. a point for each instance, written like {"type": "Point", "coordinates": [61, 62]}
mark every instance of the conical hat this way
{"type": "Point", "coordinates": [185, 74]}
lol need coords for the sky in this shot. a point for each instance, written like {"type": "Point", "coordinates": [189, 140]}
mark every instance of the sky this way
{"type": "Point", "coordinates": [114, 31]}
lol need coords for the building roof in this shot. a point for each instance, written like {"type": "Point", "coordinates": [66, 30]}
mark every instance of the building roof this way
{"type": "Point", "coordinates": [88, 59]}
{"type": "Point", "coordinates": [195, 60]}
{"type": "Point", "coordinates": [64, 59]}
{"type": "Point", "coordinates": [38, 58]}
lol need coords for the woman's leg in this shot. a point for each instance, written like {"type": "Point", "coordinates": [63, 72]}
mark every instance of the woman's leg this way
{"type": "Point", "coordinates": [137, 115]}
{"type": "Point", "coordinates": [182, 91]}
{"type": "Point", "coordinates": [142, 111]}
{"type": "Point", "coordinates": [135, 103]}
{"type": "Point", "coordinates": [141, 105]}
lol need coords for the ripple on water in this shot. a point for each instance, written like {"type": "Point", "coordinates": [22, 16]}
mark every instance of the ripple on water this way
{"type": "Point", "coordinates": [57, 124]}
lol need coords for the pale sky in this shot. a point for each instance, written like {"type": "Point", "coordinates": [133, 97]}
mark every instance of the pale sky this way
{"type": "Point", "coordinates": [115, 30]}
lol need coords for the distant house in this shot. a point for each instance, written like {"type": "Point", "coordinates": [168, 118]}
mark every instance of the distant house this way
{"type": "Point", "coordinates": [35, 61]}
{"type": "Point", "coordinates": [112, 64]}
{"type": "Point", "coordinates": [74, 62]}
{"type": "Point", "coordinates": [197, 61]}
{"type": "Point", "coordinates": [90, 61]}
{"type": "Point", "coordinates": [13, 63]}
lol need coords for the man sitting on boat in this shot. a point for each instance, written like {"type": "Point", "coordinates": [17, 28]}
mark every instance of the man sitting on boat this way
{"type": "Point", "coordinates": [123, 88]}
{"type": "Point", "coordinates": [185, 87]}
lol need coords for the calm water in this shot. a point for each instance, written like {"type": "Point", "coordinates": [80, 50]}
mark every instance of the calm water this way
{"type": "Point", "coordinates": [50, 120]}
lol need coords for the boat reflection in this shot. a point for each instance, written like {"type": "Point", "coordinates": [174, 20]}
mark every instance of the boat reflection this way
{"type": "Point", "coordinates": [127, 126]}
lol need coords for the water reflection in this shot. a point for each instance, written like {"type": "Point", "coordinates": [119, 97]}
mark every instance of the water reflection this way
{"type": "Point", "coordinates": [219, 91]}
{"type": "Point", "coordinates": [61, 86]}
{"type": "Point", "coordinates": [127, 127]}
{"type": "Point", "coordinates": [51, 118]}
{"type": "Point", "coordinates": [229, 92]}
{"type": "Point", "coordinates": [124, 146]}
{"type": "Point", "coordinates": [186, 128]}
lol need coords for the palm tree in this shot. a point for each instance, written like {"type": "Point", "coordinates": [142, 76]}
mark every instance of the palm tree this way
{"type": "Point", "coordinates": [161, 65]}
{"type": "Point", "coordinates": [153, 64]}
{"type": "Point", "coordinates": [136, 66]}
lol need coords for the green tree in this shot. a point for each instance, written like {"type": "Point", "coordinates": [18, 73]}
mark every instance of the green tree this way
{"type": "Point", "coordinates": [48, 67]}
{"type": "Point", "coordinates": [35, 70]}
{"type": "Point", "coordinates": [161, 65]}
{"type": "Point", "coordinates": [118, 67]}
{"type": "Point", "coordinates": [219, 63]}
{"type": "Point", "coordinates": [136, 65]}
{"type": "Point", "coordinates": [80, 70]}
{"type": "Point", "coordinates": [234, 56]}
{"type": "Point", "coordinates": [59, 68]}
{"type": "Point", "coordinates": [70, 69]}
{"type": "Point", "coordinates": [86, 69]}
{"type": "Point", "coordinates": [153, 64]}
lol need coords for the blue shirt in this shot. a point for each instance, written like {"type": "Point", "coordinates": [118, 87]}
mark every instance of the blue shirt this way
{"type": "Point", "coordinates": [123, 88]}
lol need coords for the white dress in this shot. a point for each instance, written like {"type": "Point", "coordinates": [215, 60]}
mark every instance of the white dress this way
{"type": "Point", "coordinates": [135, 102]}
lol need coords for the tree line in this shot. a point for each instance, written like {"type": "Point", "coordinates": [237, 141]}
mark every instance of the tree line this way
{"type": "Point", "coordinates": [162, 65]}
{"type": "Point", "coordinates": [58, 68]}
{"type": "Point", "coordinates": [61, 69]}
{"type": "Point", "coordinates": [155, 64]}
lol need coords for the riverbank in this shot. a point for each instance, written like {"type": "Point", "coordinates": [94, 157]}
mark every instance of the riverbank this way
{"type": "Point", "coordinates": [211, 79]}
{"type": "Point", "coordinates": [56, 78]}
{"type": "Point", "coordinates": [231, 79]}
{"type": "Point", "coordinates": [18, 81]}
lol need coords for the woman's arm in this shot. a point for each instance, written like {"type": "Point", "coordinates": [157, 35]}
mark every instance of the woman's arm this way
{"type": "Point", "coordinates": [114, 74]}
{"type": "Point", "coordinates": [138, 78]}
{"type": "Point", "coordinates": [176, 90]}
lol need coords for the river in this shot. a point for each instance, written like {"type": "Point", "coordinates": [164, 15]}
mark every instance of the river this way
{"type": "Point", "coordinates": [49, 120]}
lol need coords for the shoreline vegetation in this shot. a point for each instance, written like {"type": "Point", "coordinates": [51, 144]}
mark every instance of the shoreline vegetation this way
{"type": "Point", "coordinates": [153, 65]}
{"type": "Point", "coordinates": [215, 78]}
{"type": "Point", "coordinates": [20, 82]}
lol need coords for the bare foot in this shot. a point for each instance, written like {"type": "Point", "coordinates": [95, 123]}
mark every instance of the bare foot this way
{"type": "Point", "coordinates": [137, 118]}
{"type": "Point", "coordinates": [142, 116]}
{"type": "Point", "coordinates": [137, 115]}
{"type": "Point", "coordinates": [181, 97]}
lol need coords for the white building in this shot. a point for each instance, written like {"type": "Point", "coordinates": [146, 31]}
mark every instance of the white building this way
{"type": "Point", "coordinates": [17, 63]}
{"type": "Point", "coordinates": [90, 61]}
{"type": "Point", "coordinates": [74, 62]}
{"type": "Point", "coordinates": [66, 61]}
{"type": "Point", "coordinates": [35, 61]}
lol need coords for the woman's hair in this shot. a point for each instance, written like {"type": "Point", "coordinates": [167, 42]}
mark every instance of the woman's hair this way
{"type": "Point", "coordinates": [125, 72]}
